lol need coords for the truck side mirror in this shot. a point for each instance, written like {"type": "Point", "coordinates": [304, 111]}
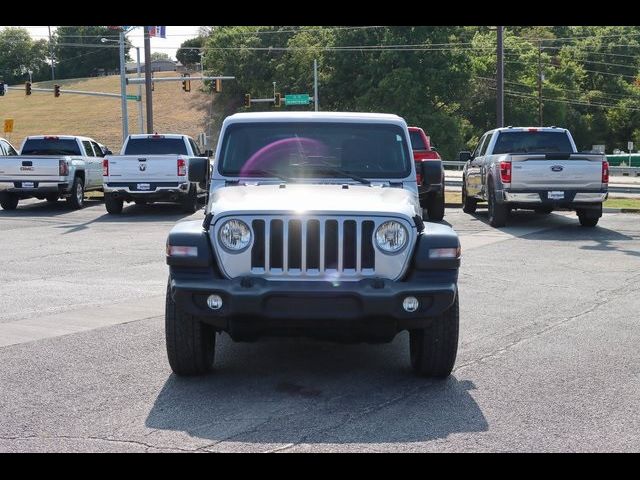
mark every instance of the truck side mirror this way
{"type": "Point", "coordinates": [208, 153]}
{"type": "Point", "coordinates": [198, 168]}
{"type": "Point", "coordinates": [464, 156]}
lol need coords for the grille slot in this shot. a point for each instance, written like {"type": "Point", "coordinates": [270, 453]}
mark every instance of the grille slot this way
{"type": "Point", "coordinates": [311, 247]}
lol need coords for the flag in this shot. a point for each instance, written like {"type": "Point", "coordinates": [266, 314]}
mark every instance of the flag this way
{"type": "Point", "coordinates": [158, 32]}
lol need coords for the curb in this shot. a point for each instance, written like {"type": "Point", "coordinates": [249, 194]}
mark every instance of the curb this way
{"type": "Point", "coordinates": [604, 210]}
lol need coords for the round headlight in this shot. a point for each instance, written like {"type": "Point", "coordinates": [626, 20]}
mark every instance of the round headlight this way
{"type": "Point", "coordinates": [234, 235]}
{"type": "Point", "coordinates": [391, 237]}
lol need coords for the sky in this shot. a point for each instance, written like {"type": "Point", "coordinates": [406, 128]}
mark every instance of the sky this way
{"type": "Point", "coordinates": [175, 36]}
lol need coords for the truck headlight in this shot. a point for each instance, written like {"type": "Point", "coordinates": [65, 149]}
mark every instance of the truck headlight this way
{"type": "Point", "coordinates": [391, 237]}
{"type": "Point", "coordinates": [234, 235]}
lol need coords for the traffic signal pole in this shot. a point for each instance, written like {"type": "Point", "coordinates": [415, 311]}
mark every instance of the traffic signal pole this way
{"type": "Point", "coordinates": [123, 90]}
{"type": "Point", "coordinates": [147, 77]}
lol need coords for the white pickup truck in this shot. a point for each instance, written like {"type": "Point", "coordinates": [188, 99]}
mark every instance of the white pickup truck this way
{"type": "Point", "coordinates": [533, 168]}
{"type": "Point", "coordinates": [152, 168]}
{"type": "Point", "coordinates": [50, 167]}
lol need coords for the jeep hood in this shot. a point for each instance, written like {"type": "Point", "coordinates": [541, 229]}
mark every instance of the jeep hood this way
{"type": "Point", "coordinates": [320, 199]}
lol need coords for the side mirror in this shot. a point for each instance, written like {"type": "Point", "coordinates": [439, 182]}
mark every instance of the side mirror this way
{"type": "Point", "coordinates": [198, 168]}
{"type": "Point", "coordinates": [434, 149]}
{"type": "Point", "coordinates": [208, 153]}
{"type": "Point", "coordinates": [108, 152]}
{"type": "Point", "coordinates": [464, 156]}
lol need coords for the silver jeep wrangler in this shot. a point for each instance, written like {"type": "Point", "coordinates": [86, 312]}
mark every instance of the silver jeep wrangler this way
{"type": "Point", "coordinates": [312, 228]}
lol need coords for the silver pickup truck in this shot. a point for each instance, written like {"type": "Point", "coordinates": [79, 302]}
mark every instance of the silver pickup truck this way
{"type": "Point", "coordinates": [51, 167]}
{"type": "Point", "coordinates": [533, 168]}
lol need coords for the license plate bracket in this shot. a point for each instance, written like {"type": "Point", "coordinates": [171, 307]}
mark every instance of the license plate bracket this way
{"type": "Point", "coordinates": [143, 186]}
{"type": "Point", "coordinates": [28, 185]}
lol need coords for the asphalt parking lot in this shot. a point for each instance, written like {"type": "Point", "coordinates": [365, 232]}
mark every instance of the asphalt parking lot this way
{"type": "Point", "coordinates": [548, 356]}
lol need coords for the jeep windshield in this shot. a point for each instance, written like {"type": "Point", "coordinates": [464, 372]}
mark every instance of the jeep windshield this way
{"type": "Point", "coordinates": [297, 150]}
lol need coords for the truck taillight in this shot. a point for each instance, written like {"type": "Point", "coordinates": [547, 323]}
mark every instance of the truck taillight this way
{"type": "Point", "coordinates": [105, 167]}
{"type": "Point", "coordinates": [182, 167]}
{"type": "Point", "coordinates": [418, 178]}
{"type": "Point", "coordinates": [63, 168]}
{"type": "Point", "coordinates": [505, 172]}
{"type": "Point", "coordinates": [605, 172]}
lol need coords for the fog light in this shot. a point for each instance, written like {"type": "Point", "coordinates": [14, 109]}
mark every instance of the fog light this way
{"type": "Point", "coordinates": [215, 302]}
{"type": "Point", "coordinates": [410, 304]}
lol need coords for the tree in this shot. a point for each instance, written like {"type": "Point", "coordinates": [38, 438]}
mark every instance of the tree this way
{"type": "Point", "coordinates": [19, 54]}
{"type": "Point", "coordinates": [80, 52]}
{"type": "Point", "coordinates": [160, 56]}
{"type": "Point", "coordinates": [189, 52]}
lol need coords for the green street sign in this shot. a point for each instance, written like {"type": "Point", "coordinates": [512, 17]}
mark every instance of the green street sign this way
{"type": "Point", "coordinates": [137, 98]}
{"type": "Point", "coordinates": [297, 99]}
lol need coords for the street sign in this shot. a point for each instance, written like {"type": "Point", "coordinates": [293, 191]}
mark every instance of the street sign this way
{"type": "Point", "coordinates": [8, 125]}
{"type": "Point", "coordinates": [297, 99]}
{"type": "Point", "coordinates": [137, 98]}
{"type": "Point", "coordinates": [629, 146]}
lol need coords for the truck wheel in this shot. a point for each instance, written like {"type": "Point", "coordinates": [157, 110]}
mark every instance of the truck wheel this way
{"type": "Point", "coordinates": [52, 197]}
{"type": "Point", "coordinates": [433, 349]}
{"type": "Point", "coordinates": [589, 218]}
{"type": "Point", "coordinates": [469, 204]}
{"type": "Point", "coordinates": [9, 201]}
{"type": "Point", "coordinates": [76, 199]}
{"type": "Point", "coordinates": [498, 212]}
{"type": "Point", "coordinates": [113, 204]}
{"type": "Point", "coordinates": [435, 205]}
{"type": "Point", "coordinates": [190, 343]}
{"type": "Point", "coordinates": [190, 202]}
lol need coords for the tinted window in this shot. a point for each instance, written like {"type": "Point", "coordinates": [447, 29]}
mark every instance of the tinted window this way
{"type": "Point", "coordinates": [156, 146]}
{"type": "Point", "coordinates": [312, 149]}
{"type": "Point", "coordinates": [97, 149]}
{"type": "Point", "coordinates": [195, 148]}
{"type": "Point", "coordinates": [87, 147]}
{"type": "Point", "coordinates": [50, 146]}
{"type": "Point", "coordinates": [532, 142]}
{"type": "Point", "coordinates": [487, 141]}
{"type": "Point", "coordinates": [9, 149]}
{"type": "Point", "coordinates": [476, 152]}
{"type": "Point", "coordinates": [417, 142]}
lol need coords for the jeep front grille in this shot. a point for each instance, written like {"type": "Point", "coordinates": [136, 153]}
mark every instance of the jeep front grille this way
{"type": "Point", "coordinates": [312, 246]}
{"type": "Point", "coordinates": [320, 247]}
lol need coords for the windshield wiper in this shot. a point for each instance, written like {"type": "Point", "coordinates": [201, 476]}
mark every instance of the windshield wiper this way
{"type": "Point", "coordinates": [327, 168]}
{"type": "Point", "coordinates": [271, 173]}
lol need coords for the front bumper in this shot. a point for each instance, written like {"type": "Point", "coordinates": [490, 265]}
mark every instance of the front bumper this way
{"type": "Point", "coordinates": [39, 187]}
{"type": "Point", "coordinates": [264, 305]}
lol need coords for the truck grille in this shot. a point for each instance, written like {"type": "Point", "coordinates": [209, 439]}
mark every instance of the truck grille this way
{"type": "Point", "coordinates": [309, 247]}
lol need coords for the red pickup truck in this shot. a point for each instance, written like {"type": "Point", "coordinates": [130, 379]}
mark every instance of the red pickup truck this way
{"type": "Point", "coordinates": [429, 174]}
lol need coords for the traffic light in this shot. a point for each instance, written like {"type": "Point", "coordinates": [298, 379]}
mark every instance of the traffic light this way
{"type": "Point", "coordinates": [278, 100]}
{"type": "Point", "coordinates": [27, 88]}
{"type": "Point", "coordinates": [217, 86]}
{"type": "Point", "coordinates": [56, 91]}
{"type": "Point", "coordinates": [247, 100]}
{"type": "Point", "coordinates": [2, 89]}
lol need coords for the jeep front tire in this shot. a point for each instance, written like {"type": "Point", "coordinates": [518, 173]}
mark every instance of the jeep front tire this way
{"type": "Point", "coordinates": [433, 349]}
{"type": "Point", "coordinates": [190, 342]}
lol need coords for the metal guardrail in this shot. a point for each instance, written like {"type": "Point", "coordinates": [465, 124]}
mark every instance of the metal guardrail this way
{"type": "Point", "coordinates": [621, 171]}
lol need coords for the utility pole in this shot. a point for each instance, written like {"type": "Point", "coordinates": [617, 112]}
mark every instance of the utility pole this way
{"type": "Point", "coordinates": [123, 90]}
{"type": "Point", "coordinates": [315, 83]}
{"type": "Point", "coordinates": [53, 61]}
{"type": "Point", "coordinates": [500, 79]}
{"type": "Point", "coordinates": [140, 118]}
{"type": "Point", "coordinates": [540, 78]}
{"type": "Point", "coordinates": [147, 76]}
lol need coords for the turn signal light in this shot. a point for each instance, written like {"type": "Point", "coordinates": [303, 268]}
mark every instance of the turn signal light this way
{"type": "Point", "coordinates": [505, 172]}
{"type": "Point", "coordinates": [105, 167]}
{"type": "Point", "coordinates": [605, 172]}
{"type": "Point", "coordinates": [182, 167]}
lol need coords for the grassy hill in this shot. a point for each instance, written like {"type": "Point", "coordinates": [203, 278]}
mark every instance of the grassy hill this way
{"type": "Point", "coordinates": [174, 111]}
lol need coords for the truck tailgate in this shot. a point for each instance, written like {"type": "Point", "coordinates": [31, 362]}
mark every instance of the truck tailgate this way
{"type": "Point", "coordinates": [537, 172]}
{"type": "Point", "coordinates": [17, 167]}
{"type": "Point", "coordinates": [144, 168]}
